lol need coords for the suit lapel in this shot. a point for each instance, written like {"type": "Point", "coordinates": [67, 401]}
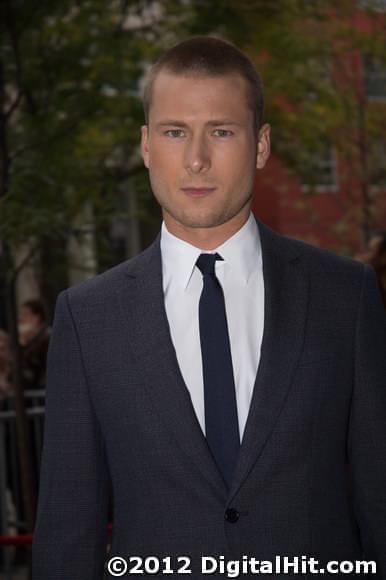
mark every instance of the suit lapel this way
{"type": "Point", "coordinates": [142, 303]}
{"type": "Point", "coordinates": [286, 295]}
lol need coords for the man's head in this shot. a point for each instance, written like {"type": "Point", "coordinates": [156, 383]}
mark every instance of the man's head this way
{"type": "Point", "coordinates": [4, 346]}
{"type": "Point", "coordinates": [32, 317]}
{"type": "Point", "coordinates": [203, 140]}
{"type": "Point", "coordinates": [205, 56]}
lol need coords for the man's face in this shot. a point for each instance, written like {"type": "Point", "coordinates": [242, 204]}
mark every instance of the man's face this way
{"type": "Point", "coordinates": [201, 149]}
{"type": "Point", "coordinates": [29, 322]}
{"type": "Point", "coordinates": [4, 348]}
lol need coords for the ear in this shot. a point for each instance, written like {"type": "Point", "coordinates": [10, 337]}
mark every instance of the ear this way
{"type": "Point", "coordinates": [145, 145]}
{"type": "Point", "coordinates": [263, 146]}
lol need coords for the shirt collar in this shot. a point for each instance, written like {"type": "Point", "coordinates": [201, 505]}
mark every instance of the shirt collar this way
{"type": "Point", "coordinates": [242, 252]}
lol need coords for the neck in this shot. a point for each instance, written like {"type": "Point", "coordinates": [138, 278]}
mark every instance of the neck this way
{"type": "Point", "coordinates": [206, 238]}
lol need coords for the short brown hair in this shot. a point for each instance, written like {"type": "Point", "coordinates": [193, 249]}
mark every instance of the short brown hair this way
{"type": "Point", "coordinates": [36, 307]}
{"type": "Point", "coordinates": [208, 56]}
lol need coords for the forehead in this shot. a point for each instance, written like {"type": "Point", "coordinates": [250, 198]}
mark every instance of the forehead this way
{"type": "Point", "coordinates": [196, 95]}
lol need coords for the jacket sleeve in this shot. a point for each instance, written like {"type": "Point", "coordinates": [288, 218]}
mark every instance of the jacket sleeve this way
{"type": "Point", "coordinates": [71, 529]}
{"type": "Point", "coordinates": [367, 435]}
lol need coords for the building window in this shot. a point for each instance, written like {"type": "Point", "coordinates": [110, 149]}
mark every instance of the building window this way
{"type": "Point", "coordinates": [320, 172]}
{"type": "Point", "coordinates": [377, 5]}
{"type": "Point", "coordinates": [375, 78]}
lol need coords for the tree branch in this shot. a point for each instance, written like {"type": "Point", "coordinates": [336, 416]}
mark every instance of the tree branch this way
{"type": "Point", "coordinates": [14, 105]}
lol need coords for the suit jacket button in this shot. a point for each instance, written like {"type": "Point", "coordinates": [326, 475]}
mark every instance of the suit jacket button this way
{"type": "Point", "coordinates": [232, 515]}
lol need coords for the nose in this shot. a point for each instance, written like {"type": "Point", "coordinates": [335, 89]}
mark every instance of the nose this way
{"type": "Point", "coordinates": [197, 157]}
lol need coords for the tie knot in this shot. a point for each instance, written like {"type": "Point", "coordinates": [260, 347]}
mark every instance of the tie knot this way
{"type": "Point", "coordinates": [206, 263]}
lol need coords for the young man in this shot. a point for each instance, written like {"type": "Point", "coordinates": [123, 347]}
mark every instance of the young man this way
{"type": "Point", "coordinates": [228, 384]}
{"type": "Point", "coordinates": [34, 336]}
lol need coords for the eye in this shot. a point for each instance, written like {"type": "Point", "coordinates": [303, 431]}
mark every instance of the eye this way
{"type": "Point", "coordinates": [222, 133]}
{"type": "Point", "coordinates": [174, 133]}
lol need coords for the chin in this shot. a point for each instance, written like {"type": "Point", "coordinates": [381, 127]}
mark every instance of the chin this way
{"type": "Point", "coordinates": [202, 221]}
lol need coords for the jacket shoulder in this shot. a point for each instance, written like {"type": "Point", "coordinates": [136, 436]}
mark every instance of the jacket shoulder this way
{"type": "Point", "coordinates": [328, 260]}
{"type": "Point", "coordinates": [316, 258]}
{"type": "Point", "coordinates": [103, 286]}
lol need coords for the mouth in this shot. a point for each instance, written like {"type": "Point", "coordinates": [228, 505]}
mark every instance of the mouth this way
{"type": "Point", "coordinates": [197, 191]}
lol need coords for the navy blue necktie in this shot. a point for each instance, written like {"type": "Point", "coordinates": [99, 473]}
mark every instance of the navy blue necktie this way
{"type": "Point", "coordinates": [221, 423]}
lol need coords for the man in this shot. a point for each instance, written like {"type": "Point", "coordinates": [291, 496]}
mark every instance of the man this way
{"type": "Point", "coordinates": [34, 334]}
{"type": "Point", "coordinates": [228, 384]}
{"type": "Point", "coordinates": [375, 255]}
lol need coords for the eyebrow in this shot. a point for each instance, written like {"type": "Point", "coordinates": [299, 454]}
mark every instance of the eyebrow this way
{"type": "Point", "coordinates": [214, 123]}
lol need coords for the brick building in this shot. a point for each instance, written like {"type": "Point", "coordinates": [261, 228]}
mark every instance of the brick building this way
{"type": "Point", "coordinates": [346, 203]}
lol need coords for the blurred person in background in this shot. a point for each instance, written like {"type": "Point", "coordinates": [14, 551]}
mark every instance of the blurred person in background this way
{"type": "Point", "coordinates": [34, 337]}
{"type": "Point", "coordinates": [375, 256]}
{"type": "Point", "coordinates": [6, 502]}
{"type": "Point", "coordinates": [5, 365]}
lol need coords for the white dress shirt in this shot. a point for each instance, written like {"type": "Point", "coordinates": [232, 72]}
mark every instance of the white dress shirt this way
{"type": "Point", "coordinates": [241, 277]}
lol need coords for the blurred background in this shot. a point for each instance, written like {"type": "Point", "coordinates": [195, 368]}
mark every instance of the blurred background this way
{"type": "Point", "coordinates": [75, 197]}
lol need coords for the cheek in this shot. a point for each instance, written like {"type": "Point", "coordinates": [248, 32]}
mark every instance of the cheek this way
{"type": "Point", "coordinates": [163, 162]}
{"type": "Point", "coordinates": [240, 167]}
{"type": "Point", "coordinates": [163, 173]}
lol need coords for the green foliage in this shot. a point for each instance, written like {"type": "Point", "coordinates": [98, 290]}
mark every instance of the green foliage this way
{"type": "Point", "coordinates": [312, 56]}
{"type": "Point", "coordinates": [70, 85]}
{"type": "Point", "coordinates": [70, 76]}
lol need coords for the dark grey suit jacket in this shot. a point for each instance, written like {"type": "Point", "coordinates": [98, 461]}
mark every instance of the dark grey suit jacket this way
{"type": "Point", "coordinates": [311, 477]}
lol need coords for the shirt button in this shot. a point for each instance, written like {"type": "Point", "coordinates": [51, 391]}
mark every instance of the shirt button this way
{"type": "Point", "coordinates": [232, 515]}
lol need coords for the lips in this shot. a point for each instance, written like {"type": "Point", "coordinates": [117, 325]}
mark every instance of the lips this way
{"type": "Point", "coordinates": [198, 191]}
